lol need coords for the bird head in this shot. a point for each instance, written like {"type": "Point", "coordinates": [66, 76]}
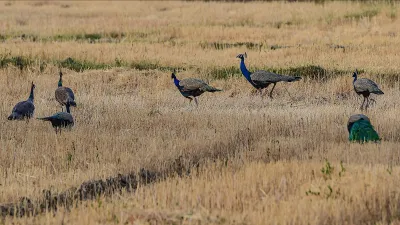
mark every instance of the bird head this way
{"type": "Point", "coordinates": [355, 73]}
{"type": "Point", "coordinates": [242, 56]}
{"type": "Point", "coordinates": [173, 74]}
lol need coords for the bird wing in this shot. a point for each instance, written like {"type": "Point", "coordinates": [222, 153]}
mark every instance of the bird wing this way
{"type": "Point", "coordinates": [63, 116]}
{"type": "Point", "coordinates": [70, 93]}
{"type": "Point", "coordinates": [364, 84]}
{"type": "Point", "coordinates": [263, 77]}
{"type": "Point", "coordinates": [363, 131]}
{"type": "Point", "coordinates": [62, 95]}
{"type": "Point", "coordinates": [354, 118]}
{"type": "Point", "coordinates": [24, 108]}
{"type": "Point", "coordinates": [191, 84]}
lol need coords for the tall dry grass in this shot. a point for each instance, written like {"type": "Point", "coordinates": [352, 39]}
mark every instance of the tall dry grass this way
{"type": "Point", "coordinates": [257, 158]}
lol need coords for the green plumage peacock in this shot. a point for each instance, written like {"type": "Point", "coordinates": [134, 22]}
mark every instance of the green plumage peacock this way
{"type": "Point", "coordinates": [361, 130]}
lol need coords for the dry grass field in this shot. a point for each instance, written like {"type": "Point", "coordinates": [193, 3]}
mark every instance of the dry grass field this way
{"type": "Point", "coordinates": [234, 159]}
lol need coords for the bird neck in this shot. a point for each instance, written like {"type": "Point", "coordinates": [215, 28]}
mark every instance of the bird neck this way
{"type": "Point", "coordinates": [67, 106]}
{"type": "Point", "coordinates": [355, 78]}
{"type": "Point", "coordinates": [60, 82]}
{"type": "Point", "coordinates": [244, 70]}
{"type": "Point", "coordinates": [31, 96]}
{"type": "Point", "coordinates": [176, 82]}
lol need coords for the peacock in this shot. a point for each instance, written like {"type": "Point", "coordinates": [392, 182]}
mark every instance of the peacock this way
{"type": "Point", "coordinates": [64, 95]}
{"type": "Point", "coordinates": [365, 87]}
{"type": "Point", "coordinates": [61, 119]}
{"type": "Point", "coordinates": [25, 109]}
{"type": "Point", "coordinates": [360, 129]}
{"type": "Point", "coordinates": [192, 87]}
{"type": "Point", "coordinates": [262, 79]}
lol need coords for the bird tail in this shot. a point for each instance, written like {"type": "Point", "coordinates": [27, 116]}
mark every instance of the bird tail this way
{"type": "Point", "coordinates": [291, 78]}
{"type": "Point", "coordinates": [11, 117]}
{"type": "Point", "coordinates": [378, 92]}
{"type": "Point", "coordinates": [14, 116]}
{"type": "Point", "coordinates": [45, 118]}
{"type": "Point", "coordinates": [210, 89]}
{"type": "Point", "coordinates": [362, 131]}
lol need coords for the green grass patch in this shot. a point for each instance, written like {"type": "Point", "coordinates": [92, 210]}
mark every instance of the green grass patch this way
{"type": "Point", "coordinates": [147, 65]}
{"type": "Point", "coordinates": [369, 13]}
{"type": "Point", "coordinates": [222, 46]}
{"type": "Point", "coordinates": [18, 61]}
{"type": "Point", "coordinates": [79, 66]}
{"type": "Point", "coordinates": [311, 72]}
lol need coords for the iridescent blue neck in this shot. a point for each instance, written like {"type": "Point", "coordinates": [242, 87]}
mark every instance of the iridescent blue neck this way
{"type": "Point", "coordinates": [355, 78]}
{"type": "Point", "coordinates": [244, 70]}
{"type": "Point", "coordinates": [60, 82]}
{"type": "Point", "coordinates": [31, 97]}
{"type": "Point", "coordinates": [176, 82]}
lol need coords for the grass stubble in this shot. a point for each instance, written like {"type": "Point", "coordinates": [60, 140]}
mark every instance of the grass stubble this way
{"type": "Point", "coordinates": [252, 161]}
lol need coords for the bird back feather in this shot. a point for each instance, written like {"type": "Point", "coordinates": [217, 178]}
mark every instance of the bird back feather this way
{"type": "Point", "coordinates": [366, 85]}
{"type": "Point", "coordinates": [363, 131]}
{"type": "Point", "coordinates": [210, 88]}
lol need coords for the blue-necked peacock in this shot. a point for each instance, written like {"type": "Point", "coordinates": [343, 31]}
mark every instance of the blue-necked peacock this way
{"type": "Point", "coordinates": [262, 79]}
{"type": "Point", "coordinates": [25, 109]}
{"type": "Point", "coordinates": [360, 129]}
{"type": "Point", "coordinates": [192, 87]}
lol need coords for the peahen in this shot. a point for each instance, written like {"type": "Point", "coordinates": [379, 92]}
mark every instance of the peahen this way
{"type": "Point", "coordinates": [25, 109]}
{"type": "Point", "coordinates": [60, 120]}
{"type": "Point", "coordinates": [192, 87]}
{"type": "Point", "coordinates": [365, 87]}
{"type": "Point", "coordinates": [360, 129]}
{"type": "Point", "coordinates": [64, 95]}
{"type": "Point", "coordinates": [262, 79]}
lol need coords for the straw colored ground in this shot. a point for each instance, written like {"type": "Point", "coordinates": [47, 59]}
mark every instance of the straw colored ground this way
{"type": "Point", "coordinates": [252, 160]}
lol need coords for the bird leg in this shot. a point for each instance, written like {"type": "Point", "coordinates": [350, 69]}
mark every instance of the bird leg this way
{"type": "Point", "coordinates": [195, 100]}
{"type": "Point", "coordinates": [361, 108]}
{"type": "Point", "coordinates": [366, 106]}
{"type": "Point", "coordinates": [261, 93]}
{"type": "Point", "coordinates": [190, 99]}
{"type": "Point", "coordinates": [270, 93]}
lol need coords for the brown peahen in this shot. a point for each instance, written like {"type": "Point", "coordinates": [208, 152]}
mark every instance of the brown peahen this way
{"type": "Point", "coordinates": [365, 87]}
{"type": "Point", "coordinates": [64, 95]}
{"type": "Point", "coordinates": [192, 87]}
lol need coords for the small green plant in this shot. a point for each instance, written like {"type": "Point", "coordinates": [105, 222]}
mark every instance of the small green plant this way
{"type": "Point", "coordinates": [309, 192]}
{"type": "Point", "coordinates": [327, 170]}
{"type": "Point", "coordinates": [330, 192]}
{"type": "Point", "coordinates": [342, 169]}
{"type": "Point", "coordinates": [389, 169]}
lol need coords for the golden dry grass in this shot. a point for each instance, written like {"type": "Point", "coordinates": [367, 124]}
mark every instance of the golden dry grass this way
{"type": "Point", "coordinates": [257, 158]}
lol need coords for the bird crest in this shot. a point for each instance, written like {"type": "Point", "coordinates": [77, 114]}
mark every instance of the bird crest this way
{"type": "Point", "coordinates": [242, 56]}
